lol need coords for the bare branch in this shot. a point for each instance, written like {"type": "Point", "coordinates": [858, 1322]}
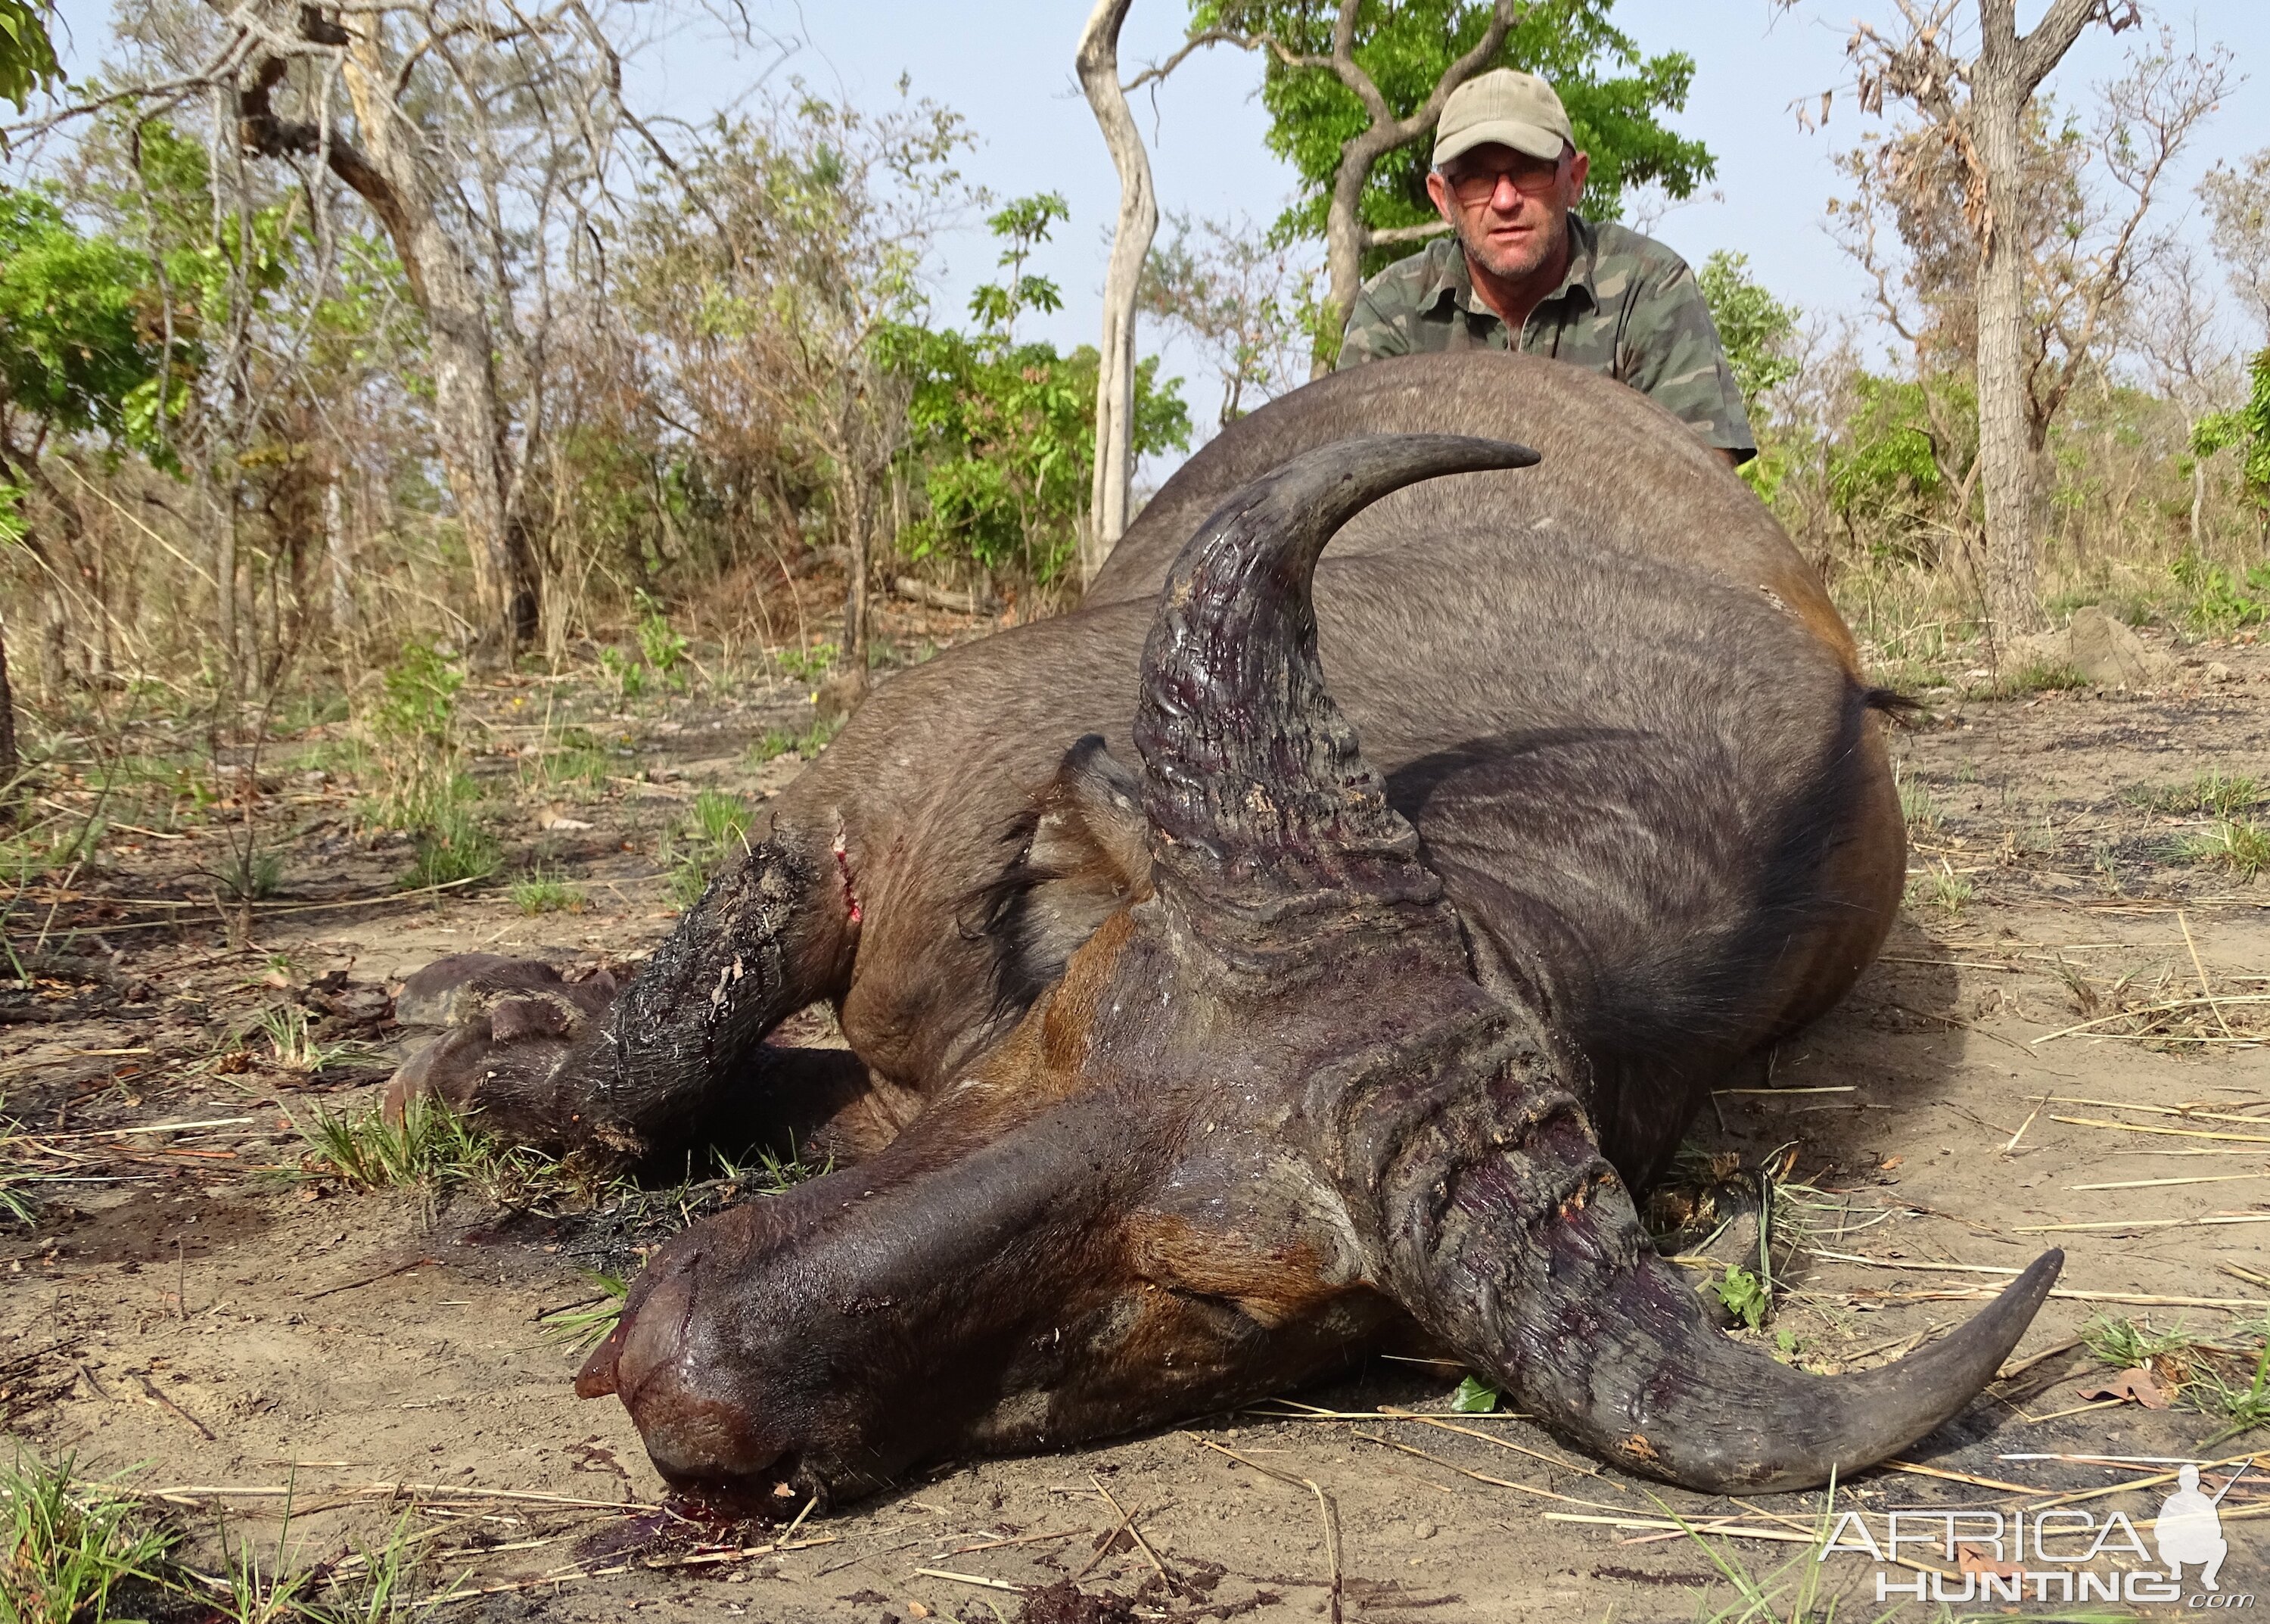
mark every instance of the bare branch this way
{"type": "Point", "coordinates": [1406, 234]}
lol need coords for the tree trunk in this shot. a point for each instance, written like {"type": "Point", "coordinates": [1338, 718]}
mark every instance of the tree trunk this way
{"type": "Point", "coordinates": [10, 763]}
{"type": "Point", "coordinates": [469, 420]}
{"type": "Point", "coordinates": [2012, 594]}
{"type": "Point", "coordinates": [2199, 483]}
{"type": "Point", "coordinates": [851, 492]}
{"type": "Point", "coordinates": [336, 554]}
{"type": "Point", "coordinates": [1098, 63]}
{"type": "Point", "coordinates": [1344, 238]}
{"type": "Point", "coordinates": [2002, 83]}
{"type": "Point", "coordinates": [225, 588]}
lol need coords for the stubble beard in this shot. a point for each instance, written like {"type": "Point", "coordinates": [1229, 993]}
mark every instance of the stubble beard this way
{"type": "Point", "coordinates": [1515, 266]}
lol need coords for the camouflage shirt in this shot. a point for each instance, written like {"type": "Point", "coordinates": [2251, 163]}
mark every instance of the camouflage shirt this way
{"type": "Point", "coordinates": [1628, 307]}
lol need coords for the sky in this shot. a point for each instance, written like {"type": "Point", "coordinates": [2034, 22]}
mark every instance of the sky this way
{"type": "Point", "coordinates": [1006, 65]}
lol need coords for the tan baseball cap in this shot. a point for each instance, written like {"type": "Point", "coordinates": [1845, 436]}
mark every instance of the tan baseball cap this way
{"type": "Point", "coordinates": [1514, 109]}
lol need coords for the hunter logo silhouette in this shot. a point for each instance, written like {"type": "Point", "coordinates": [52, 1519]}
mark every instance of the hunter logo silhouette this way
{"type": "Point", "coordinates": [2190, 1529]}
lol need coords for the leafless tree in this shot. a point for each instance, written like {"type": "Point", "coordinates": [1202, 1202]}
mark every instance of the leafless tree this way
{"type": "Point", "coordinates": [2184, 359]}
{"type": "Point", "coordinates": [2237, 199]}
{"type": "Point", "coordinates": [1240, 298]}
{"type": "Point", "coordinates": [1996, 219]}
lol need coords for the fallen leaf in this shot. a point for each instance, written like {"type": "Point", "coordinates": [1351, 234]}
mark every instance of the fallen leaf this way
{"type": "Point", "coordinates": [552, 817]}
{"type": "Point", "coordinates": [1889, 1162]}
{"type": "Point", "coordinates": [915, 1610]}
{"type": "Point", "coordinates": [2135, 1386]}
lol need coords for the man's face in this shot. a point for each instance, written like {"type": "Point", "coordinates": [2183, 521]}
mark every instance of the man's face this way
{"type": "Point", "coordinates": [1511, 210]}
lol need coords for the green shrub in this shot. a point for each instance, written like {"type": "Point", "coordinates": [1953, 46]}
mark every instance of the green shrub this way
{"type": "Point", "coordinates": [666, 652]}
{"type": "Point", "coordinates": [2222, 601]}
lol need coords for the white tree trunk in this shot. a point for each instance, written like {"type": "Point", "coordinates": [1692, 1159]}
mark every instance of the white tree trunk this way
{"type": "Point", "coordinates": [1098, 63]}
{"type": "Point", "coordinates": [337, 553]}
{"type": "Point", "coordinates": [225, 587]}
{"type": "Point", "coordinates": [468, 419]}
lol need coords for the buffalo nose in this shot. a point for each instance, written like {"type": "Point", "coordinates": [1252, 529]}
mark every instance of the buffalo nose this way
{"type": "Point", "coordinates": [658, 1360]}
{"type": "Point", "coordinates": [650, 1337]}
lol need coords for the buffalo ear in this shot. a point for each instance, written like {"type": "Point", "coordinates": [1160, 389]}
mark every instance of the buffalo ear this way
{"type": "Point", "coordinates": [1082, 853]}
{"type": "Point", "coordinates": [1091, 830]}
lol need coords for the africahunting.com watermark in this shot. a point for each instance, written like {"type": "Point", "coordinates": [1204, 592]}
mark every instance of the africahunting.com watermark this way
{"type": "Point", "coordinates": [2051, 1553]}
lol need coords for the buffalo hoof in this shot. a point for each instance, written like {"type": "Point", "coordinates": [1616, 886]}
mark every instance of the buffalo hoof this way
{"type": "Point", "coordinates": [504, 1027]}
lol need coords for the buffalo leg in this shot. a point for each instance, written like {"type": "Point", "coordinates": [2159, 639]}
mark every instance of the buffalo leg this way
{"type": "Point", "coordinates": [678, 1048]}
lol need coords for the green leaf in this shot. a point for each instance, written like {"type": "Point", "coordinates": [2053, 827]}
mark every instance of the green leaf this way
{"type": "Point", "coordinates": [27, 55]}
{"type": "Point", "coordinates": [1744, 1296]}
{"type": "Point", "coordinates": [1473, 1397]}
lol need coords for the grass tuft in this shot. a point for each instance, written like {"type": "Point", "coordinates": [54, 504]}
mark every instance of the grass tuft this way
{"type": "Point", "coordinates": [433, 1149]}
{"type": "Point", "coordinates": [252, 879]}
{"type": "Point", "coordinates": [2241, 845]}
{"type": "Point", "coordinates": [805, 747]}
{"type": "Point", "coordinates": [1917, 807]}
{"type": "Point", "coordinates": [714, 831]}
{"type": "Point", "coordinates": [451, 846]}
{"type": "Point", "coordinates": [430, 1146]}
{"type": "Point", "coordinates": [69, 1545]}
{"type": "Point", "coordinates": [2038, 676]}
{"type": "Point", "coordinates": [577, 768]}
{"type": "Point", "coordinates": [583, 1324]}
{"type": "Point", "coordinates": [2128, 1345]}
{"type": "Point", "coordinates": [807, 665]}
{"type": "Point", "coordinates": [2226, 1380]}
{"type": "Point", "coordinates": [2210, 793]}
{"type": "Point", "coordinates": [543, 893]}
{"type": "Point", "coordinates": [289, 1041]}
{"type": "Point", "coordinates": [1945, 889]}
{"type": "Point", "coordinates": [15, 1199]}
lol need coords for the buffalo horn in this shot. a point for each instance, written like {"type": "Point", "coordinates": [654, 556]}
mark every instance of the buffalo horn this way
{"type": "Point", "coordinates": [1252, 774]}
{"type": "Point", "coordinates": [1521, 1248]}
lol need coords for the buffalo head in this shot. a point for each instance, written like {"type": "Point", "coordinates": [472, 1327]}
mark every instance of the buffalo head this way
{"type": "Point", "coordinates": [1268, 1113]}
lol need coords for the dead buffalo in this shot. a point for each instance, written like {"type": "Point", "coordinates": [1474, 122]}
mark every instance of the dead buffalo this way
{"type": "Point", "coordinates": [1203, 1051]}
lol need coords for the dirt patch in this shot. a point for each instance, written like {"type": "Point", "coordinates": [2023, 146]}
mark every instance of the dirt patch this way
{"type": "Point", "coordinates": [192, 1308]}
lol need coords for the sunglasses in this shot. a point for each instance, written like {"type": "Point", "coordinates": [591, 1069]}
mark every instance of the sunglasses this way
{"type": "Point", "coordinates": [1532, 177]}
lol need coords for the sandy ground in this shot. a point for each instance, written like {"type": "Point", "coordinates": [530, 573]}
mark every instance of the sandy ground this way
{"type": "Point", "coordinates": [193, 1310]}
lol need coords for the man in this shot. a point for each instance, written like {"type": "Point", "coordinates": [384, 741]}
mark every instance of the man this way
{"type": "Point", "coordinates": [1507, 175]}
